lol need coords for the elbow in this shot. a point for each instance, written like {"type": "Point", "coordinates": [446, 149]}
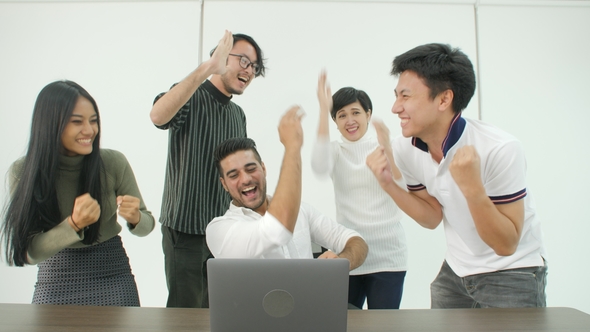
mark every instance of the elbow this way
{"type": "Point", "coordinates": [506, 250]}
{"type": "Point", "coordinates": [155, 118]}
{"type": "Point", "coordinates": [430, 224]}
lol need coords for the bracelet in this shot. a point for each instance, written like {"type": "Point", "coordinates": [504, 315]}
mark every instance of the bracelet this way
{"type": "Point", "coordinates": [75, 225]}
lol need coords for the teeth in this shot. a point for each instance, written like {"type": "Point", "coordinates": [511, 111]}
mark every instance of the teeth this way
{"type": "Point", "coordinates": [249, 188]}
{"type": "Point", "coordinates": [85, 141]}
{"type": "Point", "coordinates": [404, 121]}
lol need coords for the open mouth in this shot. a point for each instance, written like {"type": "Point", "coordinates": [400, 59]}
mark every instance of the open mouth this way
{"type": "Point", "coordinates": [352, 130]}
{"type": "Point", "coordinates": [84, 141]}
{"type": "Point", "coordinates": [250, 191]}
{"type": "Point", "coordinates": [244, 79]}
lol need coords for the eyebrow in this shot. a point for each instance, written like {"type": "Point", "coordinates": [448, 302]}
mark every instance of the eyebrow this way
{"type": "Point", "coordinates": [81, 116]}
{"type": "Point", "coordinates": [245, 166]}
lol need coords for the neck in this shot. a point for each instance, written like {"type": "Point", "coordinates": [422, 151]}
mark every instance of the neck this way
{"type": "Point", "coordinates": [435, 140]}
{"type": "Point", "coordinates": [218, 83]}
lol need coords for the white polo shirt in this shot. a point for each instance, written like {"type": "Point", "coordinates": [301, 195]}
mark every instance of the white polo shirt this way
{"type": "Point", "coordinates": [503, 171]}
{"type": "Point", "coordinates": [243, 233]}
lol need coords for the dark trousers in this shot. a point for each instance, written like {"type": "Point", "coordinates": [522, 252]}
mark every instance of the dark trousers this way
{"type": "Point", "coordinates": [382, 290]}
{"type": "Point", "coordinates": [185, 263]}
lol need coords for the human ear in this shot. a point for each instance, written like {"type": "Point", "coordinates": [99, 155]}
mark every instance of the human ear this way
{"type": "Point", "coordinates": [223, 183]}
{"type": "Point", "coordinates": [446, 100]}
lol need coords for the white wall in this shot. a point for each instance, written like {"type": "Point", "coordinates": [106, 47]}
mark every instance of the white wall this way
{"type": "Point", "coordinates": [531, 69]}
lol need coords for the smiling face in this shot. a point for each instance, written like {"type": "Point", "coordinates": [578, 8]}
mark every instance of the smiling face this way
{"type": "Point", "coordinates": [421, 116]}
{"type": "Point", "coordinates": [353, 121]}
{"type": "Point", "coordinates": [235, 80]}
{"type": "Point", "coordinates": [244, 177]}
{"type": "Point", "coordinates": [79, 133]}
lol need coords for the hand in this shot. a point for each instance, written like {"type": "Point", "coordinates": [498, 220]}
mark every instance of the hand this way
{"type": "Point", "coordinates": [328, 255]}
{"type": "Point", "coordinates": [382, 133]}
{"type": "Point", "coordinates": [290, 131]}
{"type": "Point", "coordinates": [380, 166]}
{"type": "Point", "coordinates": [129, 209]}
{"type": "Point", "coordinates": [465, 169]}
{"type": "Point", "coordinates": [324, 93]}
{"type": "Point", "coordinates": [218, 60]}
{"type": "Point", "coordinates": [86, 211]}
{"type": "Point", "coordinates": [385, 142]}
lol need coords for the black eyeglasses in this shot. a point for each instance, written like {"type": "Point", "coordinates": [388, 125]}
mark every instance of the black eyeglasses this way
{"type": "Point", "coordinates": [245, 63]}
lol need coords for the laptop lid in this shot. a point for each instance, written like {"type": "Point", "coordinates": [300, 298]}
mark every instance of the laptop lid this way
{"type": "Point", "coordinates": [278, 294]}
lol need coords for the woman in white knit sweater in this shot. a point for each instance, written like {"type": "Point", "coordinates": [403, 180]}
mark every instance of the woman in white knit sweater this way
{"type": "Point", "coordinates": [361, 204]}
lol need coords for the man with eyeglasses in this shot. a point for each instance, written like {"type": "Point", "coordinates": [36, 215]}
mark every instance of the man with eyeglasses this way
{"type": "Point", "coordinates": [199, 114]}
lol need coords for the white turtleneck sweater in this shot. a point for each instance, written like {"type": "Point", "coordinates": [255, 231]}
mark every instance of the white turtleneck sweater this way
{"type": "Point", "coordinates": [361, 203]}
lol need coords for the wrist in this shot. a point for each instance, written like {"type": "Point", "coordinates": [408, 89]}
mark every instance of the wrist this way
{"type": "Point", "coordinates": [73, 224]}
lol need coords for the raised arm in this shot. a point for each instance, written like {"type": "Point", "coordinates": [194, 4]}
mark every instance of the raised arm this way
{"type": "Point", "coordinates": [171, 102]}
{"type": "Point", "coordinates": [321, 158]}
{"type": "Point", "coordinates": [287, 198]}
{"type": "Point", "coordinates": [325, 101]}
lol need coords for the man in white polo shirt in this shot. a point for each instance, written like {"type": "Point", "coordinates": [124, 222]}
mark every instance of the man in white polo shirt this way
{"type": "Point", "coordinates": [468, 174]}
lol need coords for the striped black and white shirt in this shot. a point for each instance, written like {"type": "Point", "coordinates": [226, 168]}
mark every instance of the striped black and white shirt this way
{"type": "Point", "coordinates": [193, 195]}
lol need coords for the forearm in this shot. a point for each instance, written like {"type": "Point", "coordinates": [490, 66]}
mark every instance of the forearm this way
{"type": "Point", "coordinates": [355, 251]}
{"type": "Point", "coordinates": [397, 175]}
{"type": "Point", "coordinates": [169, 104]}
{"type": "Point", "coordinates": [47, 244]}
{"type": "Point", "coordinates": [287, 198]}
{"type": "Point", "coordinates": [419, 206]}
{"type": "Point", "coordinates": [499, 226]}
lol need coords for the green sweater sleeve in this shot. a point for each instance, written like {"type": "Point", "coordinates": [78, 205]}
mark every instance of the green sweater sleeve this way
{"type": "Point", "coordinates": [125, 184]}
{"type": "Point", "coordinates": [118, 180]}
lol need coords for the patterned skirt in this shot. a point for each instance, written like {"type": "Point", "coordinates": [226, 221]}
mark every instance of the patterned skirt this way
{"type": "Point", "coordinates": [96, 275]}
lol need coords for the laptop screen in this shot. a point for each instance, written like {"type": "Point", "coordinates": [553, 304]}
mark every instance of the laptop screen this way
{"type": "Point", "coordinates": [278, 294]}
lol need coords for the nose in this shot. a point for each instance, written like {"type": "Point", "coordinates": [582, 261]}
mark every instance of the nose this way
{"type": "Point", "coordinates": [87, 128]}
{"type": "Point", "coordinates": [245, 178]}
{"type": "Point", "coordinates": [397, 107]}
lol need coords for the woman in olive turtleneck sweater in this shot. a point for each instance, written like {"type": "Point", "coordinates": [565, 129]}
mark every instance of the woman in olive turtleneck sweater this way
{"type": "Point", "coordinates": [65, 196]}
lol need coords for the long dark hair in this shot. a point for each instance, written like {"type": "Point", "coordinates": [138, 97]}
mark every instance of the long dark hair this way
{"type": "Point", "coordinates": [34, 206]}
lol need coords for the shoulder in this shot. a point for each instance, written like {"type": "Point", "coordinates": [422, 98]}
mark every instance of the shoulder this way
{"type": "Point", "coordinates": [113, 158]}
{"type": "Point", "coordinates": [17, 166]}
{"type": "Point", "coordinates": [485, 130]}
{"type": "Point", "coordinates": [486, 136]}
{"type": "Point", "coordinates": [236, 107]}
{"type": "Point", "coordinates": [401, 143]}
{"type": "Point", "coordinates": [16, 169]}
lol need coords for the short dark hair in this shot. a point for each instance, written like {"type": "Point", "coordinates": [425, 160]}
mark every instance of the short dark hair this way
{"type": "Point", "coordinates": [441, 67]}
{"type": "Point", "coordinates": [231, 146]}
{"type": "Point", "coordinates": [349, 95]}
{"type": "Point", "coordinates": [260, 57]}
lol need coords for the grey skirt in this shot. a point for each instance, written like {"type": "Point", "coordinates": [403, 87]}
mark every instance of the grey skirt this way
{"type": "Point", "coordinates": [96, 275]}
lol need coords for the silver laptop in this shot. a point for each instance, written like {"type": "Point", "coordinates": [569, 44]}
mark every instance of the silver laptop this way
{"type": "Point", "coordinates": [278, 294]}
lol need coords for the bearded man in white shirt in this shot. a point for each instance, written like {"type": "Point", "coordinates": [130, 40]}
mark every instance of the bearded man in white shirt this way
{"type": "Point", "coordinates": [257, 225]}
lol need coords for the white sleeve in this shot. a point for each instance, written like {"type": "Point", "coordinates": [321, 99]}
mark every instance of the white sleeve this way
{"type": "Point", "coordinates": [504, 173]}
{"type": "Point", "coordinates": [321, 158]}
{"type": "Point", "coordinates": [233, 237]}
{"type": "Point", "coordinates": [325, 231]}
